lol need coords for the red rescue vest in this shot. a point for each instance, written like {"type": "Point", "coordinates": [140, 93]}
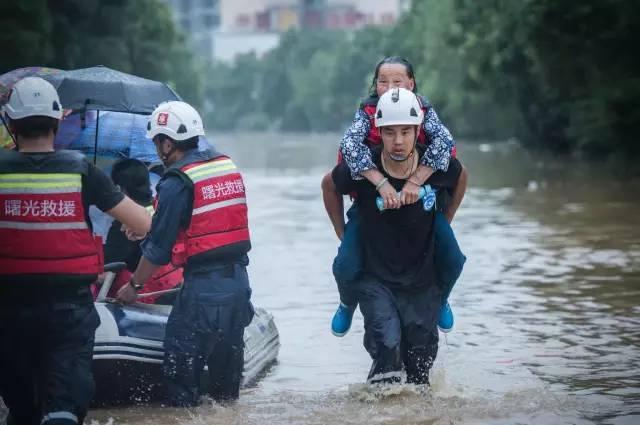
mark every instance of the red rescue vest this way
{"type": "Point", "coordinates": [43, 226]}
{"type": "Point", "coordinates": [166, 277]}
{"type": "Point", "coordinates": [219, 214]}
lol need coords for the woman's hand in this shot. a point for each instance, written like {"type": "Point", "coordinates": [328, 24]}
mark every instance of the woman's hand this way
{"type": "Point", "coordinates": [389, 196]}
{"type": "Point", "coordinates": [132, 236]}
{"type": "Point", "coordinates": [410, 193]}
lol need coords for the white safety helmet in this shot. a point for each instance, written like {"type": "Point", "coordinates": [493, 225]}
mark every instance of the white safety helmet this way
{"type": "Point", "coordinates": [33, 96]}
{"type": "Point", "coordinates": [398, 107]}
{"type": "Point", "coordinates": [177, 120]}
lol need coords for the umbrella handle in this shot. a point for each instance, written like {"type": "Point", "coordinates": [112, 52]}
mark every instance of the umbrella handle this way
{"type": "Point", "coordinates": [95, 143]}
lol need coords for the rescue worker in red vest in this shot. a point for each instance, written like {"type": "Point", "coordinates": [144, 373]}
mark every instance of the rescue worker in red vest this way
{"type": "Point", "coordinates": [48, 259]}
{"type": "Point", "coordinates": [200, 222]}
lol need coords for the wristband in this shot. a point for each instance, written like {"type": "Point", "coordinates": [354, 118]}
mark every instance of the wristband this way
{"type": "Point", "coordinates": [382, 182]}
{"type": "Point", "coordinates": [135, 285]}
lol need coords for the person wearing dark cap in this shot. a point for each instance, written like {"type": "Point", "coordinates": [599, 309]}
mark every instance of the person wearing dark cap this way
{"type": "Point", "coordinates": [132, 176]}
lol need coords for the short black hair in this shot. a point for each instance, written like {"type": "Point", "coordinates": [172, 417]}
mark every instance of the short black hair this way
{"type": "Point", "coordinates": [181, 145]}
{"type": "Point", "coordinates": [34, 126]}
{"type": "Point", "coordinates": [133, 177]}
{"type": "Point", "coordinates": [185, 145]}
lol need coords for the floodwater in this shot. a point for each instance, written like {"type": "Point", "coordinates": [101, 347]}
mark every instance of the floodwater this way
{"type": "Point", "coordinates": [547, 308]}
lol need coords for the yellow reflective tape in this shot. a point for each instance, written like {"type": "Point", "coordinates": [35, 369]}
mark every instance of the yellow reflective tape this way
{"type": "Point", "coordinates": [40, 181]}
{"type": "Point", "coordinates": [38, 185]}
{"type": "Point", "coordinates": [211, 173]}
{"type": "Point", "coordinates": [206, 171]}
{"type": "Point", "coordinates": [209, 165]}
{"type": "Point", "coordinates": [51, 176]}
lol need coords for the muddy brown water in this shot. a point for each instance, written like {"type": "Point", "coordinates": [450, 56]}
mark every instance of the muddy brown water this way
{"type": "Point", "coordinates": [547, 308]}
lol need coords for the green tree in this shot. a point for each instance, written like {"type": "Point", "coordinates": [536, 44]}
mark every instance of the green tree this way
{"type": "Point", "coordinates": [25, 35]}
{"type": "Point", "coordinates": [138, 37]}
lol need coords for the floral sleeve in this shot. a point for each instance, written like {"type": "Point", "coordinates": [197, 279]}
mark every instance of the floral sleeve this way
{"type": "Point", "coordinates": [440, 142]}
{"type": "Point", "coordinates": [354, 151]}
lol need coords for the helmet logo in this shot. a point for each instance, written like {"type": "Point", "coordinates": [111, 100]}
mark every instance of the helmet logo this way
{"type": "Point", "coordinates": [36, 94]}
{"type": "Point", "coordinates": [395, 95]}
{"type": "Point", "coordinates": [163, 117]}
{"type": "Point", "coordinates": [413, 112]}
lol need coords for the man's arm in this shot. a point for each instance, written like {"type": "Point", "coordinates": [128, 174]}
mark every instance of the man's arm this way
{"type": "Point", "coordinates": [102, 193]}
{"type": "Point", "coordinates": [333, 204]}
{"type": "Point", "coordinates": [457, 195]}
{"type": "Point", "coordinates": [454, 178]}
{"type": "Point", "coordinates": [133, 216]}
{"type": "Point", "coordinates": [173, 205]}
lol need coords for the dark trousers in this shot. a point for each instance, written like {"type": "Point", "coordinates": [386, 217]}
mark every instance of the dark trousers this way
{"type": "Point", "coordinates": [347, 266]}
{"type": "Point", "coordinates": [206, 326]}
{"type": "Point", "coordinates": [400, 330]}
{"type": "Point", "coordinates": [46, 349]}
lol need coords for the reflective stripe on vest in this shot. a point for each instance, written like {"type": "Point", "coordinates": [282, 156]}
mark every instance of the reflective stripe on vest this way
{"type": "Point", "coordinates": [219, 214]}
{"type": "Point", "coordinates": [43, 226]}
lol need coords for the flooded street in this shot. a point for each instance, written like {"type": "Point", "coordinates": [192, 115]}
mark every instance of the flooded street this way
{"type": "Point", "coordinates": [547, 308]}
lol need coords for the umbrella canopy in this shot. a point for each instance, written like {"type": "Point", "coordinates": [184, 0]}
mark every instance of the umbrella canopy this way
{"type": "Point", "coordinates": [105, 89]}
{"type": "Point", "coordinates": [8, 79]}
{"type": "Point", "coordinates": [121, 135]}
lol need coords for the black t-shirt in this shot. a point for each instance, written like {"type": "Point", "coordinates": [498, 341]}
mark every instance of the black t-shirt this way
{"type": "Point", "coordinates": [398, 245]}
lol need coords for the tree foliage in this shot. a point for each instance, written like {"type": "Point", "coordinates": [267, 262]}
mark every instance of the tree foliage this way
{"type": "Point", "coordinates": [556, 74]}
{"type": "Point", "coordinates": [137, 37]}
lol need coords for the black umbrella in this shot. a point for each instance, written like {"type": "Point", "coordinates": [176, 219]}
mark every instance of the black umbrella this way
{"type": "Point", "coordinates": [103, 89]}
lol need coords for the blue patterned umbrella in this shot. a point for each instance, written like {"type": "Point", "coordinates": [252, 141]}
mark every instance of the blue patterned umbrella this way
{"type": "Point", "coordinates": [103, 89]}
{"type": "Point", "coordinates": [120, 135]}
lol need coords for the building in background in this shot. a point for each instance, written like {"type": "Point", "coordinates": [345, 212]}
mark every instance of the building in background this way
{"type": "Point", "coordinates": [200, 20]}
{"type": "Point", "coordinates": [223, 29]}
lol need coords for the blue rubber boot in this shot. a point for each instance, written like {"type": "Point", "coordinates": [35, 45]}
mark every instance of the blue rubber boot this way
{"type": "Point", "coordinates": [445, 321]}
{"type": "Point", "coordinates": [341, 322]}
